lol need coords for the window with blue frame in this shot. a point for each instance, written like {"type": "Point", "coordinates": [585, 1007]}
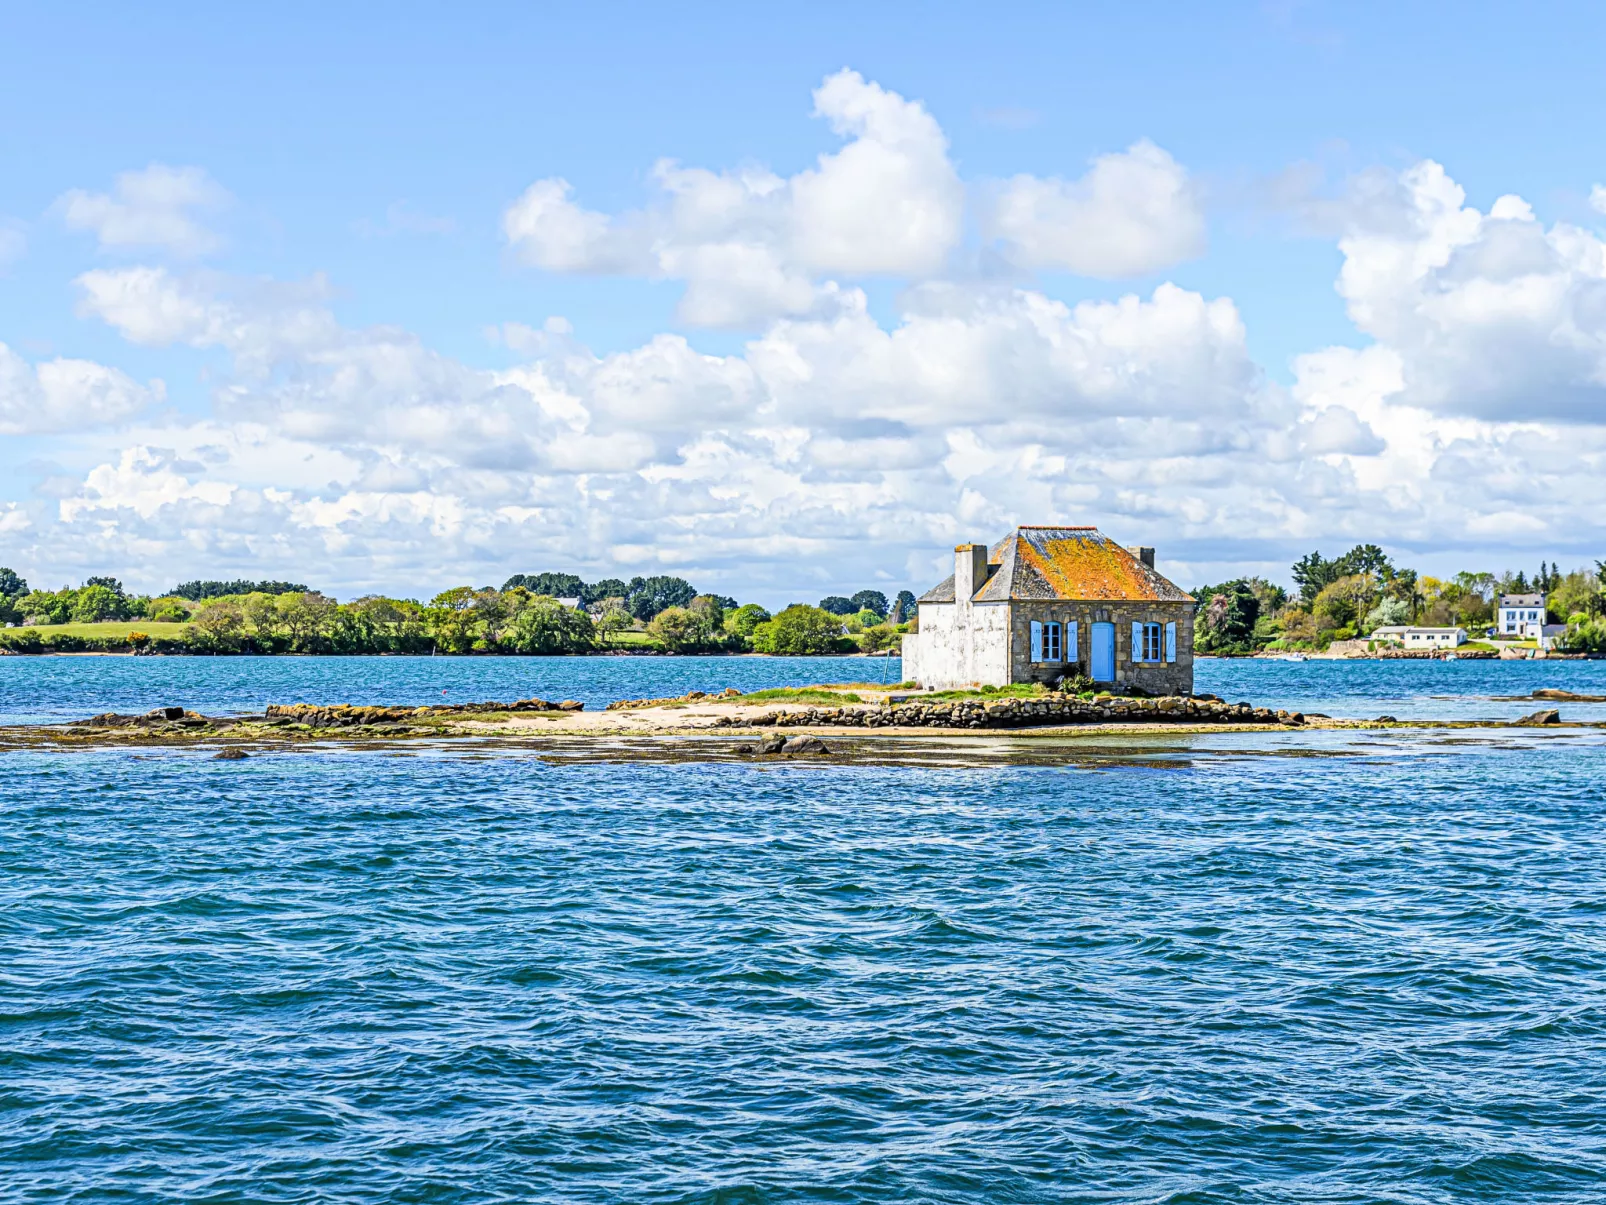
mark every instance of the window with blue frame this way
{"type": "Point", "coordinates": [1153, 641]}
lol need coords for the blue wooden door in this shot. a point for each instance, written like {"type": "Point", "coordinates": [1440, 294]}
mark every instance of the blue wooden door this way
{"type": "Point", "coordinates": [1103, 652]}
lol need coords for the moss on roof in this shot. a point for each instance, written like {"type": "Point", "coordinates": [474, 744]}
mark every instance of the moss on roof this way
{"type": "Point", "coordinates": [1071, 563]}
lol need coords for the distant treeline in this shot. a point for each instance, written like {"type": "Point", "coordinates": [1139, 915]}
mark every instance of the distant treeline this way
{"type": "Point", "coordinates": [196, 591]}
{"type": "Point", "coordinates": [1352, 595]}
{"type": "Point", "coordinates": [530, 614]}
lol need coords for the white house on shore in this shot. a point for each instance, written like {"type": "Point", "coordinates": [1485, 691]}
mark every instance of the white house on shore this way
{"type": "Point", "coordinates": [1520, 616]}
{"type": "Point", "coordinates": [1047, 602]}
{"type": "Point", "coordinates": [1422, 638]}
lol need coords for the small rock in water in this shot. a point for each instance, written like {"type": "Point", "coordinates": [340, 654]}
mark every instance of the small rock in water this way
{"type": "Point", "coordinates": [744, 750]}
{"type": "Point", "coordinates": [1540, 718]}
{"type": "Point", "coordinates": [805, 744]}
{"type": "Point", "coordinates": [773, 743]}
{"type": "Point", "coordinates": [232, 753]}
{"type": "Point", "coordinates": [1386, 719]}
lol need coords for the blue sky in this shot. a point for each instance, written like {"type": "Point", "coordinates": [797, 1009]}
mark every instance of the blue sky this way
{"type": "Point", "coordinates": [360, 162]}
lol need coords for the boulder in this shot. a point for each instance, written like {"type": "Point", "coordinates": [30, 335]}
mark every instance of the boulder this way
{"type": "Point", "coordinates": [805, 744]}
{"type": "Point", "coordinates": [232, 753]}
{"type": "Point", "coordinates": [571, 705]}
{"type": "Point", "coordinates": [1540, 718]}
{"type": "Point", "coordinates": [773, 743]}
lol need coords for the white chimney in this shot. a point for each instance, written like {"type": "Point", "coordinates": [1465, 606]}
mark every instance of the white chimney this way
{"type": "Point", "coordinates": [970, 570]}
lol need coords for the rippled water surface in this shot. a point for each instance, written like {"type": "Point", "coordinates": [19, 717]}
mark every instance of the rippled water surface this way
{"type": "Point", "coordinates": [1331, 967]}
{"type": "Point", "coordinates": [68, 687]}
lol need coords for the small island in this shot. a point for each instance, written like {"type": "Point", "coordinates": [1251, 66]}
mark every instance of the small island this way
{"type": "Point", "coordinates": [852, 722]}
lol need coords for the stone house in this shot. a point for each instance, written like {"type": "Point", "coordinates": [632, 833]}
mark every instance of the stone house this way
{"type": "Point", "coordinates": [1051, 601]}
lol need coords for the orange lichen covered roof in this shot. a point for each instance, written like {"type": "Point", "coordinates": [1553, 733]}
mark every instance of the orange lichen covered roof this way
{"type": "Point", "coordinates": [1071, 563]}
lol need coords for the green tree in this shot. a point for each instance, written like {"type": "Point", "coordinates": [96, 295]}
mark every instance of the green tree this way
{"type": "Point", "coordinates": [547, 627]}
{"type": "Point", "coordinates": [836, 604]}
{"type": "Point", "coordinates": [1225, 623]}
{"type": "Point", "coordinates": [744, 619]}
{"type": "Point", "coordinates": [217, 626]}
{"type": "Point", "coordinates": [710, 608]}
{"type": "Point", "coordinates": [646, 596]}
{"type": "Point", "coordinates": [12, 586]}
{"type": "Point", "coordinates": [554, 585]}
{"type": "Point", "coordinates": [1391, 612]}
{"type": "Point", "coordinates": [800, 630]}
{"type": "Point", "coordinates": [451, 619]}
{"type": "Point", "coordinates": [615, 619]}
{"type": "Point", "coordinates": [878, 637]}
{"type": "Point", "coordinates": [96, 604]}
{"type": "Point", "coordinates": [167, 610]}
{"type": "Point", "coordinates": [1341, 603]}
{"type": "Point", "coordinates": [197, 591]}
{"type": "Point", "coordinates": [261, 612]}
{"type": "Point", "coordinates": [46, 606]}
{"type": "Point", "coordinates": [870, 600]}
{"type": "Point", "coordinates": [681, 630]}
{"type": "Point", "coordinates": [306, 619]}
{"type": "Point", "coordinates": [1311, 573]}
{"type": "Point", "coordinates": [903, 607]}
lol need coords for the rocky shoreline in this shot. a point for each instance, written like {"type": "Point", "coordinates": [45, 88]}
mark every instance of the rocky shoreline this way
{"type": "Point", "coordinates": [1027, 713]}
{"type": "Point", "coordinates": [692, 725]}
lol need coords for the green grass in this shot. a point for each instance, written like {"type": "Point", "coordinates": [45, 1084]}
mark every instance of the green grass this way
{"type": "Point", "coordinates": [611, 639]}
{"type": "Point", "coordinates": [803, 694]}
{"type": "Point", "coordinates": [117, 630]}
{"type": "Point", "coordinates": [1020, 690]}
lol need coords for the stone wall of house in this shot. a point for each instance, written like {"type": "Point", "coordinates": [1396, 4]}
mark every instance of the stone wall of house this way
{"type": "Point", "coordinates": [1156, 678]}
{"type": "Point", "coordinates": [959, 644]}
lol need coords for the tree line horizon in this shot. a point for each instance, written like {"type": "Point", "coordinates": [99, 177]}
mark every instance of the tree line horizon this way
{"type": "Point", "coordinates": [1337, 598]}
{"type": "Point", "coordinates": [524, 616]}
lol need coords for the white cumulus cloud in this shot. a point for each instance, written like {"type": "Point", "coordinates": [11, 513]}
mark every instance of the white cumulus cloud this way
{"type": "Point", "coordinates": [1491, 315]}
{"type": "Point", "coordinates": [1133, 213]}
{"type": "Point", "coordinates": [750, 244]}
{"type": "Point", "coordinates": [66, 395]}
{"type": "Point", "coordinates": [156, 207]}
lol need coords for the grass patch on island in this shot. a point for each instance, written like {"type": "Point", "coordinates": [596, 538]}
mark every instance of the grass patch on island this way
{"type": "Point", "coordinates": [799, 694]}
{"type": "Point", "coordinates": [1019, 690]}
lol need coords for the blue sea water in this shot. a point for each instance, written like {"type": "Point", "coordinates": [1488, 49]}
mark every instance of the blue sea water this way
{"type": "Point", "coordinates": [71, 687]}
{"type": "Point", "coordinates": [1292, 967]}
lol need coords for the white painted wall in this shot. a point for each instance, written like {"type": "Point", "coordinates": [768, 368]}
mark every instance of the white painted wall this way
{"type": "Point", "coordinates": [959, 644]}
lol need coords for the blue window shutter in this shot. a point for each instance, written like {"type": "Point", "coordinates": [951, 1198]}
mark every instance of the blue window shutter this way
{"type": "Point", "coordinates": [1137, 642]}
{"type": "Point", "coordinates": [1037, 641]}
{"type": "Point", "coordinates": [1070, 642]}
{"type": "Point", "coordinates": [1170, 642]}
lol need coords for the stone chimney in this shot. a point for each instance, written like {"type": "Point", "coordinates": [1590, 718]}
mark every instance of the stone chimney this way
{"type": "Point", "coordinates": [1146, 555]}
{"type": "Point", "coordinates": [970, 570]}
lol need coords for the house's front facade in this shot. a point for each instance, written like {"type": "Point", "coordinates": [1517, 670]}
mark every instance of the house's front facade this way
{"type": "Point", "coordinates": [1045, 602]}
{"type": "Point", "coordinates": [1434, 638]}
{"type": "Point", "coordinates": [1520, 616]}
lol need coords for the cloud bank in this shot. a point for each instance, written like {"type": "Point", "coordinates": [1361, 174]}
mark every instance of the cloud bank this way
{"type": "Point", "coordinates": [831, 447]}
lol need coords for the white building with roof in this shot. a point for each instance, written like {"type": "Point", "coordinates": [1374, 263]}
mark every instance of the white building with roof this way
{"type": "Point", "coordinates": [1520, 616]}
{"type": "Point", "coordinates": [1045, 602]}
